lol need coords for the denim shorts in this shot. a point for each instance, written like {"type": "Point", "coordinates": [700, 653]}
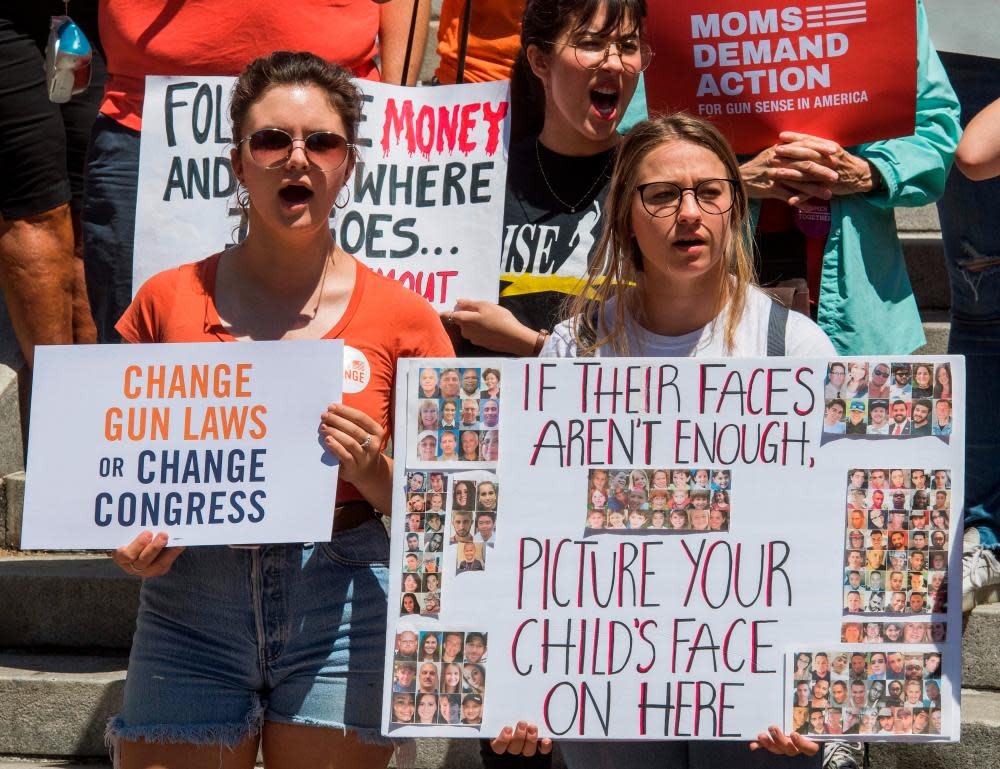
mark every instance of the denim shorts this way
{"type": "Point", "coordinates": [287, 633]}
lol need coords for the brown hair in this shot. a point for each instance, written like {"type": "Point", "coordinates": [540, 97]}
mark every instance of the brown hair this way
{"type": "Point", "coordinates": [295, 68]}
{"type": "Point", "coordinates": [617, 271]}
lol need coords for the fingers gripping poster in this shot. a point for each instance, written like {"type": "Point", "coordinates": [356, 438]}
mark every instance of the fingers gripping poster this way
{"type": "Point", "coordinates": [672, 549]}
{"type": "Point", "coordinates": [424, 204]}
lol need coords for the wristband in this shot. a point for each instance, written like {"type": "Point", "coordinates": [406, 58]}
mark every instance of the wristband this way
{"type": "Point", "coordinates": [539, 342]}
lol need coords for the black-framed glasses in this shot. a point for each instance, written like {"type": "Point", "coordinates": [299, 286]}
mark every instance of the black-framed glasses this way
{"type": "Point", "coordinates": [713, 196]}
{"type": "Point", "coordinates": [591, 53]}
{"type": "Point", "coordinates": [272, 147]}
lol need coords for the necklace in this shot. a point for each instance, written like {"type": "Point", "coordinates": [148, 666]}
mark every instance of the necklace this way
{"type": "Point", "coordinates": [571, 207]}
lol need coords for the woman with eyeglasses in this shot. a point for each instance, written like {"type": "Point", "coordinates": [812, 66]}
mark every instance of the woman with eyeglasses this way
{"type": "Point", "coordinates": [677, 281]}
{"type": "Point", "coordinates": [278, 644]}
{"type": "Point", "coordinates": [576, 72]}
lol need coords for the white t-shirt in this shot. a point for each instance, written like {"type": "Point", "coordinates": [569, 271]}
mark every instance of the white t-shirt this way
{"type": "Point", "coordinates": [803, 338]}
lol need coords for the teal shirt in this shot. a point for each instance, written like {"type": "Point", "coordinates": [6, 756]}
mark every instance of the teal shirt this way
{"type": "Point", "coordinates": [866, 303]}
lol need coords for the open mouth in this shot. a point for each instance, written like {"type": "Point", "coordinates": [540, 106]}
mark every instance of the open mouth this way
{"type": "Point", "coordinates": [605, 101]}
{"type": "Point", "coordinates": [294, 194]}
{"type": "Point", "coordinates": [689, 242]}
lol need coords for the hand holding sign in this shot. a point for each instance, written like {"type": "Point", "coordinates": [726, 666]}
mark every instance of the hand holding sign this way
{"type": "Point", "coordinates": [522, 740]}
{"type": "Point", "coordinates": [784, 745]}
{"type": "Point", "coordinates": [146, 555]}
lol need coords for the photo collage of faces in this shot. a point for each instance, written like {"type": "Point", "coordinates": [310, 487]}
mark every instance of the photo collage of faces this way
{"type": "Point", "coordinates": [680, 499]}
{"type": "Point", "coordinates": [474, 506]}
{"type": "Point", "coordinates": [458, 415]}
{"type": "Point", "coordinates": [881, 398]}
{"type": "Point", "coordinates": [879, 692]}
{"type": "Point", "coordinates": [426, 505]}
{"type": "Point", "coordinates": [439, 677]}
{"type": "Point", "coordinates": [893, 632]}
{"type": "Point", "coordinates": [896, 546]}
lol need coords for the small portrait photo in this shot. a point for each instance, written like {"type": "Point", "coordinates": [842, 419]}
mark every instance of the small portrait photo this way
{"type": "Point", "coordinates": [470, 383]}
{"type": "Point", "coordinates": [857, 418]}
{"type": "Point", "coordinates": [448, 446]}
{"type": "Point", "coordinates": [923, 381]}
{"type": "Point", "coordinates": [680, 478]}
{"type": "Point", "coordinates": [427, 447]}
{"type": "Point", "coordinates": [938, 560]}
{"type": "Point", "coordinates": [897, 558]}
{"type": "Point", "coordinates": [921, 500]}
{"type": "Point", "coordinates": [900, 385]}
{"type": "Point", "coordinates": [899, 499]}
{"type": "Point", "coordinates": [803, 667]}
{"type": "Point", "coordinates": [487, 496]}
{"type": "Point", "coordinates": [932, 665]}
{"type": "Point", "coordinates": [449, 708]}
{"type": "Point", "coordinates": [430, 646]}
{"type": "Point", "coordinates": [854, 601]}
{"type": "Point", "coordinates": [893, 632]}
{"type": "Point", "coordinates": [875, 580]}
{"type": "Point", "coordinates": [415, 480]}
{"type": "Point", "coordinates": [596, 519]}
{"type": "Point", "coordinates": [449, 383]}
{"type": "Point", "coordinates": [486, 524]}
{"type": "Point", "coordinates": [461, 527]}
{"type": "Point", "coordinates": [937, 581]}
{"type": "Point", "coordinates": [468, 415]}
{"type": "Point", "coordinates": [940, 500]}
{"type": "Point", "coordinates": [475, 647]}
{"type": "Point", "coordinates": [876, 539]}
{"type": "Point", "coordinates": [897, 602]}
{"type": "Point", "coordinates": [918, 580]}
{"type": "Point", "coordinates": [913, 693]}
{"type": "Point", "coordinates": [427, 707]}
{"type": "Point", "coordinates": [941, 422]}
{"type": "Point", "coordinates": [917, 560]}
{"type": "Point", "coordinates": [489, 446]}
{"type": "Point", "coordinates": [469, 557]}
{"type": "Point", "coordinates": [877, 498]}
{"type": "Point", "coordinates": [857, 479]}
{"type": "Point", "coordinates": [899, 417]}
{"type": "Point", "coordinates": [878, 417]}
{"type": "Point", "coordinates": [718, 520]}
{"type": "Point", "coordinates": [833, 417]}
{"type": "Point", "coordinates": [402, 707]}
{"type": "Point", "coordinates": [856, 386]}
{"type": "Point", "coordinates": [463, 496]}
{"type": "Point", "coordinates": [414, 522]}
{"type": "Point", "coordinates": [435, 502]}
{"type": "Point", "coordinates": [428, 415]}
{"type": "Point", "coordinates": [451, 678]}
{"type": "Point", "coordinates": [434, 541]}
{"type": "Point", "coordinates": [406, 646]}
{"type": "Point", "coordinates": [916, 603]}
{"type": "Point", "coordinates": [918, 539]}
{"type": "Point", "coordinates": [878, 385]}
{"type": "Point", "coordinates": [427, 384]}
{"type": "Point", "coordinates": [427, 676]}
{"type": "Point", "coordinates": [834, 721]}
{"type": "Point", "coordinates": [941, 479]}
{"type": "Point", "coordinates": [699, 518]}
{"type": "Point", "coordinates": [820, 669]}
{"type": "Point", "coordinates": [921, 721]}
{"type": "Point", "coordinates": [449, 414]}
{"type": "Point", "coordinates": [473, 678]}
{"type": "Point", "coordinates": [409, 604]}
{"type": "Point", "coordinates": [491, 383]}
{"type": "Point", "coordinates": [721, 480]}
{"type": "Point", "coordinates": [638, 481]}
{"type": "Point", "coordinates": [896, 581]}
{"type": "Point", "coordinates": [412, 563]}
{"type": "Point", "coordinates": [937, 602]}
{"type": "Point", "coordinates": [413, 542]}
{"type": "Point", "coordinates": [489, 412]}
{"type": "Point", "coordinates": [817, 721]}
{"type": "Point", "coordinates": [913, 666]}
{"type": "Point", "coordinates": [432, 563]}
{"type": "Point", "coordinates": [854, 559]}
{"type": "Point", "coordinates": [659, 479]}
{"type": "Point", "coordinates": [404, 676]}
{"type": "Point", "coordinates": [850, 633]}
{"type": "Point", "coordinates": [897, 538]}
{"type": "Point", "coordinates": [921, 412]}
{"type": "Point", "coordinates": [875, 603]}
{"type": "Point", "coordinates": [469, 440]}
{"type": "Point", "coordinates": [877, 519]}
{"type": "Point", "coordinates": [472, 710]}
{"type": "Point", "coordinates": [659, 499]}
{"type": "Point", "coordinates": [800, 719]}
{"type": "Point", "coordinates": [836, 380]}
{"type": "Point", "coordinates": [919, 519]}
{"type": "Point", "coordinates": [700, 479]}
{"type": "Point", "coordinates": [915, 632]}
{"type": "Point", "coordinates": [919, 480]}
{"type": "Point", "coordinates": [452, 647]}
{"type": "Point", "coordinates": [616, 519]}
{"type": "Point", "coordinates": [411, 583]}
{"type": "Point", "coordinates": [432, 583]}
{"type": "Point", "coordinates": [878, 479]}
{"type": "Point", "coordinates": [432, 605]}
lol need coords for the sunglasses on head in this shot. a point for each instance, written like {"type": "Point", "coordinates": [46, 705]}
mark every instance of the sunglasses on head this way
{"type": "Point", "coordinates": [272, 147]}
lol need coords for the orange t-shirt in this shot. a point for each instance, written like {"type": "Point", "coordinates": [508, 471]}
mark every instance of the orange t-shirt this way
{"type": "Point", "coordinates": [494, 39]}
{"type": "Point", "coordinates": [212, 37]}
{"type": "Point", "coordinates": [178, 305]}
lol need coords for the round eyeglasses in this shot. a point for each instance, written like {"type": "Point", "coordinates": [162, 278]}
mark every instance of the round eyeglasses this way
{"type": "Point", "coordinates": [272, 147]}
{"type": "Point", "coordinates": [713, 196]}
{"type": "Point", "coordinates": [591, 53]}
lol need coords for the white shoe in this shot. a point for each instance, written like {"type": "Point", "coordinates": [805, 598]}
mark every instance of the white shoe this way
{"type": "Point", "coordinates": [980, 572]}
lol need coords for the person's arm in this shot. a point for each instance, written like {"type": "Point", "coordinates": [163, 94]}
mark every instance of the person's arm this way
{"type": "Point", "coordinates": [494, 327]}
{"type": "Point", "coordinates": [978, 155]}
{"type": "Point", "coordinates": [394, 31]}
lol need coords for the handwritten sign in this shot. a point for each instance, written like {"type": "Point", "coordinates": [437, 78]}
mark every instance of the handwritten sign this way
{"type": "Point", "coordinates": [649, 541]}
{"type": "Point", "coordinates": [846, 71]}
{"type": "Point", "coordinates": [211, 443]}
{"type": "Point", "coordinates": [424, 206]}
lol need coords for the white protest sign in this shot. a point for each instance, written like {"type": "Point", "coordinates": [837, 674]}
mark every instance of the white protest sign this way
{"type": "Point", "coordinates": [212, 443]}
{"type": "Point", "coordinates": [653, 537]}
{"type": "Point", "coordinates": [426, 199]}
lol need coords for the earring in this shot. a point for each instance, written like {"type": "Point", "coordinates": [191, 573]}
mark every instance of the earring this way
{"type": "Point", "coordinates": [337, 203]}
{"type": "Point", "coordinates": [242, 197]}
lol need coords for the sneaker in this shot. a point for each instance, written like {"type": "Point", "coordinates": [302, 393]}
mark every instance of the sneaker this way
{"type": "Point", "coordinates": [980, 572]}
{"type": "Point", "coordinates": [843, 755]}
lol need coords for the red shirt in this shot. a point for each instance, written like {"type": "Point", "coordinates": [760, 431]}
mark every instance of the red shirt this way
{"type": "Point", "coordinates": [178, 305]}
{"type": "Point", "coordinates": [212, 37]}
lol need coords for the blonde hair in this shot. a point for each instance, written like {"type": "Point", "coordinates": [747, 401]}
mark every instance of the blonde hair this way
{"type": "Point", "coordinates": [617, 270]}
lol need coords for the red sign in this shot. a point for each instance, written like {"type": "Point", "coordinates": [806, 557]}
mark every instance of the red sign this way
{"type": "Point", "coordinates": [845, 71]}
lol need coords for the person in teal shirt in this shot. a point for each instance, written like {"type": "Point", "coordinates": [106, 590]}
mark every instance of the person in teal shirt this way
{"type": "Point", "coordinates": [865, 301]}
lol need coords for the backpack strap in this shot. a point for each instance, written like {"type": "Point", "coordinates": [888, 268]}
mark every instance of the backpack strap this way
{"type": "Point", "coordinates": [777, 321]}
{"type": "Point", "coordinates": [463, 42]}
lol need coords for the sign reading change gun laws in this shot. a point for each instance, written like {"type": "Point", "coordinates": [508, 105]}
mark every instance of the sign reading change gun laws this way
{"type": "Point", "coordinates": [212, 443]}
{"type": "Point", "coordinates": [845, 71]}
{"type": "Point", "coordinates": [426, 198]}
{"type": "Point", "coordinates": [667, 549]}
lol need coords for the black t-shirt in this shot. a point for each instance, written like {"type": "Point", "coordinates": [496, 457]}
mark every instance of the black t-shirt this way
{"type": "Point", "coordinates": [549, 241]}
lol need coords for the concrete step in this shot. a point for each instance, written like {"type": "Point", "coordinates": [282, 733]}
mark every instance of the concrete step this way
{"type": "Point", "coordinates": [67, 602]}
{"type": "Point", "coordinates": [979, 747]}
{"type": "Point", "coordinates": [981, 649]}
{"type": "Point", "coordinates": [57, 705]}
{"type": "Point", "coordinates": [936, 328]}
